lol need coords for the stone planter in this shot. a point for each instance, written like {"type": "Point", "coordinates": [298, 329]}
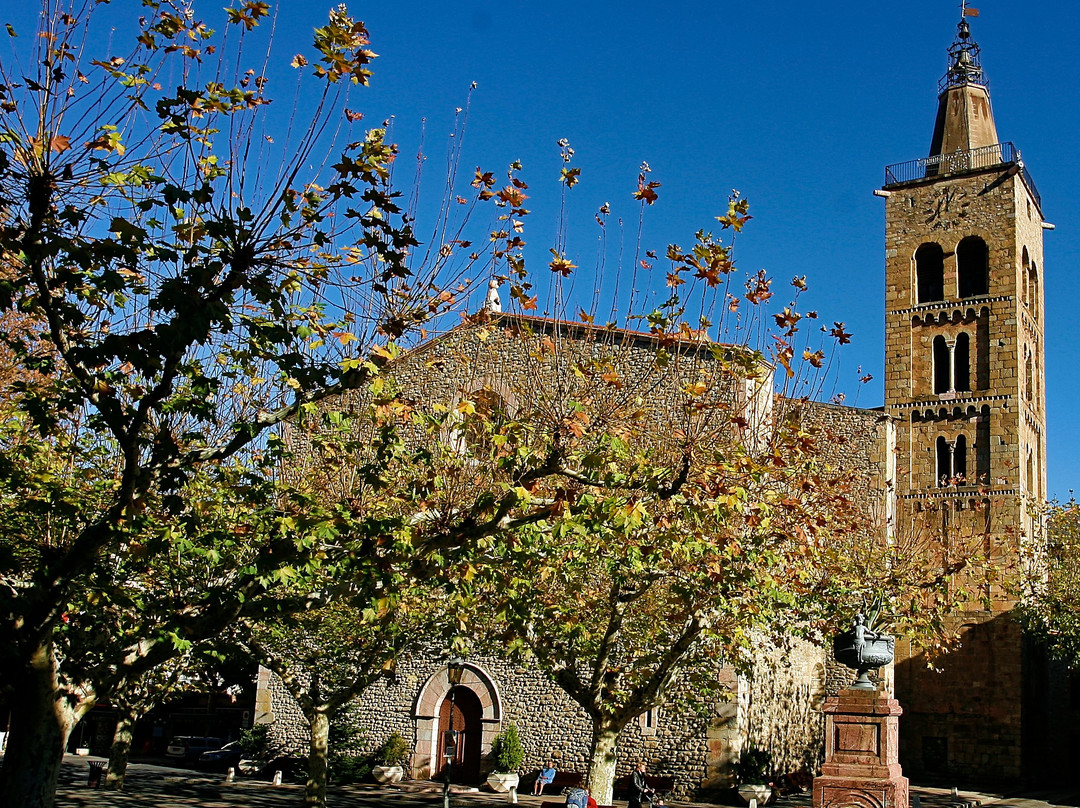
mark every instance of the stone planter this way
{"type": "Point", "coordinates": [388, 774]}
{"type": "Point", "coordinates": [502, 781]}
{"type": "Point", "coordinates": [750, 792]}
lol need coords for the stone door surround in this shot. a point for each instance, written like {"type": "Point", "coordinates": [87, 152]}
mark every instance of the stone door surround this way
{"type": "Point", "coordinates": [428, 703]}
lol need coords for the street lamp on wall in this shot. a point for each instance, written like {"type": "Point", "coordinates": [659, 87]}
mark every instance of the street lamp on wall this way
{"type": "Point", "coordinates": [455, 668]}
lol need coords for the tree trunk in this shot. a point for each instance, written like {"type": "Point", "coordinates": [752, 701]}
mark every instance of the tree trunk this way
{"type": "Point", "coordinates": [41, 720]}
{"type": "Point", "coordinates": [315, 793]}
{"type": "Point", "coordinates": [604, 755]}
{"type": "Point", "coordinates": [121, 746]}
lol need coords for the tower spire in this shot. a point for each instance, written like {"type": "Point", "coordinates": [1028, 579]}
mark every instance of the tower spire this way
{"type": "Point", "coordinates": [964, 119]}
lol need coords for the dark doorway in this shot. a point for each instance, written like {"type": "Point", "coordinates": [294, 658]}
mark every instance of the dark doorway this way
{"type": "Point", "coordinates": [460, 736]}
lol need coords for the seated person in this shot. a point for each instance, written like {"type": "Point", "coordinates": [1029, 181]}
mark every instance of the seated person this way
{"type": "Point", "coordinates": [580, 798]}
{"type": "Point", "coordinates": [547, 774]}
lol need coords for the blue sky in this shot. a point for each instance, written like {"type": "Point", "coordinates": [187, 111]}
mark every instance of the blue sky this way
{"type": "Point", "coordinates": [798, 105]}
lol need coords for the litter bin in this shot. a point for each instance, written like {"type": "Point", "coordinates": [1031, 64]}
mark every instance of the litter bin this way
{"type": "Point", "coordinates": [97, 771]}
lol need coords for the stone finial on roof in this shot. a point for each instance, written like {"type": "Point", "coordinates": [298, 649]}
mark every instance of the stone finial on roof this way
{"type": "Point", "coordinates": [492, 303]}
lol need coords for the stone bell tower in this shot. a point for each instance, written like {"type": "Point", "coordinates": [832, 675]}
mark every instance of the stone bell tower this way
{"type": "Point", "coordinates": [964, 382]}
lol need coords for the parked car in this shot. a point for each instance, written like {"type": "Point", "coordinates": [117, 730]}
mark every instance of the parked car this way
{"type": "Point", "coordinates": [222, 759]}
{"type": "Point", "coordinates": [188, 748]}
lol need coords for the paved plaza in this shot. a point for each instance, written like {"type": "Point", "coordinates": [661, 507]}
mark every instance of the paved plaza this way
{"type": "Point", "coordinates": [162, 787]}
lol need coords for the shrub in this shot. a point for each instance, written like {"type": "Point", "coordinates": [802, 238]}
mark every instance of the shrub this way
{"type": "Point", "coordinates": [507, 750]}
{"type": "Point", "coordinates": [755, 766]}
{"type": "Point", "coordinates": [343, 764]}
{"type": "Point", "coordinates": [345, 769]}
{"type": "Point", "coordinates": [394, 751]}
{"type": "Point", "coordinates": [255, 743]}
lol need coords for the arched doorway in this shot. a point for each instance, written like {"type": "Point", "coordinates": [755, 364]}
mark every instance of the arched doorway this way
{"type": "Point", "coordinates": [470, 704]}
{"type": "Point", "coordinates": [461, 729]}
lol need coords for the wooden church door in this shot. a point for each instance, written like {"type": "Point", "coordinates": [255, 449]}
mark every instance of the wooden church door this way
{"type": "Point", "coordinates": [460, 736]}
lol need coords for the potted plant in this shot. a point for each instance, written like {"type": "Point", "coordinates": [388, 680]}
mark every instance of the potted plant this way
{"type": "Point", "coordinates": [508, 754]}
{"type": "Point", "coordinates": [754, 774]}
{"type": "Point", "coordinates": [257, 748]}
{"type": "Point", "coordinates": [392, 757]}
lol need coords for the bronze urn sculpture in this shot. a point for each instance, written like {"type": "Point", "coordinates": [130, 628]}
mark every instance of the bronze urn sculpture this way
{"type": "Point", "coordinates": [863, 649]}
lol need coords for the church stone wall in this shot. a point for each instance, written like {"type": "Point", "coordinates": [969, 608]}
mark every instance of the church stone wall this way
{"type": "Point", "coordinates": [675, 742]}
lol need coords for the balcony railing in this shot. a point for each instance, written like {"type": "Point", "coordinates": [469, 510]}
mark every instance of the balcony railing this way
{"type": "Point", "coordinates": [959, 162]}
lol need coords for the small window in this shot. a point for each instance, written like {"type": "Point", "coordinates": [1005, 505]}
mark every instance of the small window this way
{"type": "Point", "coordinates": [1025, 276]}
{"type": "Point", "coordinates": [962, 363]}
{"type": "Point", "coordinates": [942, 380]}
{"type": "Point", "coordinates": [481, 415]}
{"type": "Point", "coordinates": [944, 462]}
{"type": "Point", "coordinates": [648, 721]}
{"type": "Point", "coordinates": [960, 461]}
{"type": "Point", "coordinates": [1033, 284]}
{"type": "Point", "coordinates": [930, 273]}
{"type": "Point", "coordinates": [973, 267]}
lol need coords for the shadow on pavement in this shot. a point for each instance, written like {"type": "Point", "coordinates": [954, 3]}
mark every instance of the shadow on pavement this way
{"type": "Point", "coordinates": [151, 786]}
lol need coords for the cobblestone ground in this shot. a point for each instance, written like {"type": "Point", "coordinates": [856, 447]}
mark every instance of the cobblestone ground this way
{"type": "Point", "coordinates": [161, 787]}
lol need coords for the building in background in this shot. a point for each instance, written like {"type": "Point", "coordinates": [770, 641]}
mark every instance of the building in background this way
{"type": "Point", "coordinates": [962, 436]}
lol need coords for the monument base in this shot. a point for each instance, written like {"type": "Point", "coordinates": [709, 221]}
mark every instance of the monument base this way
{"type": "Point", "coordinates": [861, 744]}
{"type": "Point", "coordinates": [860, 792]}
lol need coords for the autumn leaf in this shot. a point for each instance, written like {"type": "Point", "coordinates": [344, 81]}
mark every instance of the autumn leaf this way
{"type": "Point", "coordinates": [646, 190]}
{"type": "Point", "coordinates": [561, 264]}
{"type": "Point", "coordinates": [787, 319]}
{"type": "Point", "coordinates": [351, 116]}
{"type": "Point", "coordinates": [512, 195]}
{"type": "Point", "coordinates": [298, 61]}
{"type": "Point", "coordinates": [758, 288]}
{"type": "Point", "coordinates": [483, 179]}
{"type": "Point", "coordinates": [840, 334]}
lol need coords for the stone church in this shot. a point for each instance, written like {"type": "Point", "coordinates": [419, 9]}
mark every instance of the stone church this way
{"type": "Point", "coordinates": [962, 429]}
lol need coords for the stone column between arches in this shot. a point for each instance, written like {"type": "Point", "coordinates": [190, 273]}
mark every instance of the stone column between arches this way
{"type": "Point", "coordinates": [426, 715]}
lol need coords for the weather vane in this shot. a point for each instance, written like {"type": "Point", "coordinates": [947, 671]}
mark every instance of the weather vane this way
{"type": "Point", "coordinates": [967, 12]}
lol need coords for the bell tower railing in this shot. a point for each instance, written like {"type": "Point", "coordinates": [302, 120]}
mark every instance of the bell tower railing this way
{"type": "Point", "coordinates": [960, 161]}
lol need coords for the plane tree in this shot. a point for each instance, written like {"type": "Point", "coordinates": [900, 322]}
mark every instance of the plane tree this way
{"type": "Point", "coordinates": [168, 300]}
{"type": "Point", "coordinates": [1049, 592]}
{"type": "Point", "coordinates": [181, 278]}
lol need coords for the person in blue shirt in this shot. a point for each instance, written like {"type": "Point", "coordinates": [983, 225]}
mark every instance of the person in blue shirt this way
{"type": "Point", "coordinates": [547, 774]}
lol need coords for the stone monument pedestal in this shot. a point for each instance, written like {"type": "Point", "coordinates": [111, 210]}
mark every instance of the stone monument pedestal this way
{"type": "Point", "coordinates": [861, 768]}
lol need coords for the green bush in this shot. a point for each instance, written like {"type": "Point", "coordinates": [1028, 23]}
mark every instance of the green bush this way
{"type": "Point", "coordinates": [344, 765]}
{"type": "Point", "coordinates": [507, 750]}
{"type": "Point", "coordinates": [755, 767]}
{"type": "Point", "coordinates": [394, 751]}
{"type": "Point", "coordinates": [255, 743]}
{"type": "Point", "coordinates": [346, 769]}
